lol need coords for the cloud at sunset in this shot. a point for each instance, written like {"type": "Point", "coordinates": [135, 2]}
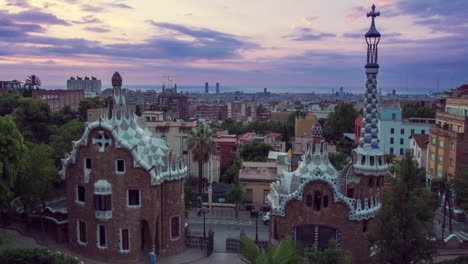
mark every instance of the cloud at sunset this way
{"type": "Point", "coordinates": [299, 43]}
{"type": "Point", "coordinates": [355, 13]}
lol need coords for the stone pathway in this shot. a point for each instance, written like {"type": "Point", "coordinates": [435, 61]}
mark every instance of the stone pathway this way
{"type": "Point", "coordinates": [217, 258]}
{"type": "Point", "coordinates": [16, 239]}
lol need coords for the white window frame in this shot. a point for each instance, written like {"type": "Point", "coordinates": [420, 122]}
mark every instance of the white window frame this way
{"type": "Point", "coordinates": [84, 163]}
{"type": "Point", "coordinates": [98, 237]}
{"type": "Point", "coordinates": [121, 242]}
{"type": "Point", "coordinates": [78, 238]}
{"type": "Point", "coordinates": [128, 196]}
{"type": "Point", "coordinates": [116, 167]}
{"type": "Point", "coordinates": [77, 195]}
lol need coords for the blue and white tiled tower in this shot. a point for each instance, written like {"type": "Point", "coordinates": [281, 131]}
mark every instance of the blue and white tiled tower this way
{"type": "Point", "coordinates": [368, 158]}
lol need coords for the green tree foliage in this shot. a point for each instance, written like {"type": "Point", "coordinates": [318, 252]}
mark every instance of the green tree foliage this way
{"type": "Point", "coordinates": [405, 222]}
{"type": "Point", "coordinates": [232, 173]}
{"type": "Point", "coordinates": [322, 121]}
{"type": "Point", "coordinates": [345, 145]}
{"type": "Point", "coordinates": [35, 185]}
{"type": "Point", "coordinates": [32, 118]}
{"type": "Point", "coordinates": [12, 152]}
{"type": "Point", "coordinates": [338, 159]}
{"type": "Point", "coordinates": [439, 187]}
{"type": "Point", "coordinates": [202, 146]}
{"type": "Point", "coordinates": [284, 253]}
{"type": "Point", "coordinates": [35, 256]}
{"type": "Point", "coordinates": [331, 255]}
{"type": "Point", "coordinates": [288, 252]}
{"type": "Point", "coordinates": [87, 103]}
{"type": "Point", "coordinates": [236, 195]}
{"type": "Point", "coordinates": [63, 116]}
{"type": "Point", "coordinates": [256, 151]}
{"type": "Point", "coordinates": [189, 196]}
{"type": "Point", "coordinates": [460, 188]}
{"type": "Point", "coordinates": [61, 138]}
{"type": "Point", "coordinates": [418, 110]}
{"type": "Point", "coordinates": [340, 121]}
{"type": "Point", "coordinates": [9, 102]}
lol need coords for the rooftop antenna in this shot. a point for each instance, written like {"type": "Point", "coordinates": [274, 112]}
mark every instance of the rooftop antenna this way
{"type": "Point", "coordinates": [169, 80]}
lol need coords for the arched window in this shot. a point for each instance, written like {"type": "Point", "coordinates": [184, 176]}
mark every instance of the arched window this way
{"type": "Point", "coordinates": [325, 201]}
{"type": "Point", "coordinates": [317, 200]}
{"type": "Point", "coordinates": [372, 161]}
{"type": "Point", "coordinates": [309, 200]}
{"type": "Point", "coordinates": [371, 181]}
{"type": "Point", "coordinates": [363, 159]}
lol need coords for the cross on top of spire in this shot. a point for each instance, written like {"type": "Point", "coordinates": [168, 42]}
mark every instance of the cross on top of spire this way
{"type": "Point", "coordinates": [373, 33]}
{"type": "Point", "coordinates": [373, 13]}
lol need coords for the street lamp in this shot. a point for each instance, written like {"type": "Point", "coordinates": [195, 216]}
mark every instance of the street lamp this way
{"type": "Point", "coordinates": [256, 224]}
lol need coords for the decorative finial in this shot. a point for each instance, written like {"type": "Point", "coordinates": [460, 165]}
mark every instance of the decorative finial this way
{"type": "Point", "coordinates": [116, 80]}
{"type": "Point", "coordinates": [372, 39]}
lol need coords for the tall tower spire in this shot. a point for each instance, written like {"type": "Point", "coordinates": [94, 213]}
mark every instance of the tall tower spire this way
{"type": "Point", "coordinates": [368, 159]}
{"type": "Point", "coordinates": [369, 132]}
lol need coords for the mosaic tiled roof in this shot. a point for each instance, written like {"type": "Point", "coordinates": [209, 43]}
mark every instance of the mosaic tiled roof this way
{"type": "Point", "coordinates": [129, 132]}
{"type": "Point", "coordinates": [316, 167]}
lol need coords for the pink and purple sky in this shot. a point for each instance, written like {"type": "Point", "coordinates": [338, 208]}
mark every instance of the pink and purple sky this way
{"type": "Point", "coordinates": [310, 43]}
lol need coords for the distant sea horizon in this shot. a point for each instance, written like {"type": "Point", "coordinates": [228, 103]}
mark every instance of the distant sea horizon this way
{"type": "Point", "coordinates": [280, 89]}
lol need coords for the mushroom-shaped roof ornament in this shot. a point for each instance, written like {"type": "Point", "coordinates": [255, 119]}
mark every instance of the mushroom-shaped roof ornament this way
{"type": "Point", "coordinates": [116, 79]}
{"type": "Point", "coordinates": [317, 130]}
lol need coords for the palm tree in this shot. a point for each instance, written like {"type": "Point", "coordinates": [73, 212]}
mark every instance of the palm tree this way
{"type": "Point", "coordinates": [33, 82]}
{"type": "Point", "coordinates": [284, 253]}
{"type": "Point", "coordinates": [236, 195]}
{"type": "Point", "coordinates": [201, 146]}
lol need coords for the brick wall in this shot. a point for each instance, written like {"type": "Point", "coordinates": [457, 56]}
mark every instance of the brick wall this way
{"type": "Point", "coordinates": [335, 215]}
{"type": "Point", "coordinates": [154, 207]}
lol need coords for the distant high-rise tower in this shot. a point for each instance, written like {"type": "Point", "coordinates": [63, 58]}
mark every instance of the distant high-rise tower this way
{"type": "Point", "coordinates": [217, 87]}
{"type": "Point", "coordinates": [92, 86]}
{"type": "Point", "coordinates": [265, 90]}
{"type": "Point", "coordinates": [206, 87]}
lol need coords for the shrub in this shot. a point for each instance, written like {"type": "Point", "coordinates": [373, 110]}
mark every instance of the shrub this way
{"type": "Point", "coordinates": [35, 256]}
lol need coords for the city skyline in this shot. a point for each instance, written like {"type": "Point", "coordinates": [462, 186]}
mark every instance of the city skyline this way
{"type": "Point", "coordinates": [261, 44]}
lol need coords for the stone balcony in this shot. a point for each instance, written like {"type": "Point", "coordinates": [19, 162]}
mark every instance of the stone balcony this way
{"type": "Point", "coordinates": [104, 215]}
